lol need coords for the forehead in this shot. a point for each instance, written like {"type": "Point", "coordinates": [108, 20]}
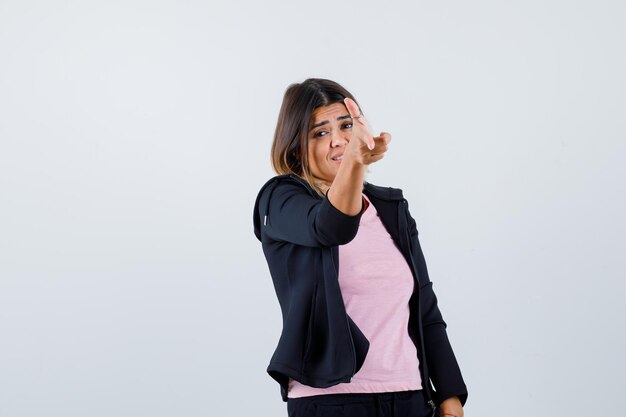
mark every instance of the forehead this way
{"type": "Point", "coordinates": [330, 112]}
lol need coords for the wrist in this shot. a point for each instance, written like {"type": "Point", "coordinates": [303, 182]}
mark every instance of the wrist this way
{"type": "Point", "coordinates": [353, 159]}
{"type": "Point", "coordinates": [352, 165]}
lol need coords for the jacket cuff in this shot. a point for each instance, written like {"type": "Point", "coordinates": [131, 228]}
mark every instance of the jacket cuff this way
{"type": "Point", "coordinates": [460, 392]}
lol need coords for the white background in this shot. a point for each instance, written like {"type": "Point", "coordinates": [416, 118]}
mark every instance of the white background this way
{"type": "Point", "coordinates": [135, 135]}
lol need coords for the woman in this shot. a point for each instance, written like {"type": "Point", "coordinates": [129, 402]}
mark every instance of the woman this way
{"type": "Point", "coordinates": [362, 334]}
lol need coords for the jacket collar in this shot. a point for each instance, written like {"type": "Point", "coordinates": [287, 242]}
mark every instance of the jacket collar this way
{"type": "Point", "coordinates": [382, 193]}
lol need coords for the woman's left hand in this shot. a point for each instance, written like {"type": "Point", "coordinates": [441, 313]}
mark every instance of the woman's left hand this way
{"type": "Point", "coordinates": [451, 407]}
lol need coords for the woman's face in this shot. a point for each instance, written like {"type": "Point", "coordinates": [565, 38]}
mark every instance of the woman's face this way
{"type": "Point", "coordinates": [329, 133]}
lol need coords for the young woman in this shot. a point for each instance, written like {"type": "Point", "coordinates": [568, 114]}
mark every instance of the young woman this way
{"type": "Point", "coordinates": [362, 334]}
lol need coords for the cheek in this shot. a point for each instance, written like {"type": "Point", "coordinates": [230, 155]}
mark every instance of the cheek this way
{"type": "Point", "coordinates": [317, 152]}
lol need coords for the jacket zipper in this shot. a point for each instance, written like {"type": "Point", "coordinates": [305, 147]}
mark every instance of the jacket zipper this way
{"type": "Point", "coordinates": [419, 311]}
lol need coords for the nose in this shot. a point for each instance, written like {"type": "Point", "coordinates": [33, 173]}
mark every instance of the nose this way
{"type": "Point", "coordinates": [338, 139]}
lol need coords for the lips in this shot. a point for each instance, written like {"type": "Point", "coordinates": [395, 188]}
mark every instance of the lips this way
{"type": "Point", "coordinates": [337, 157]}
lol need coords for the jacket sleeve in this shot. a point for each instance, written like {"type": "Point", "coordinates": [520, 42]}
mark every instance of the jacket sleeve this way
{"type": "Point", "coordinates": [443, 368]}
{"type": "Point", "coordinates": [293, 215]}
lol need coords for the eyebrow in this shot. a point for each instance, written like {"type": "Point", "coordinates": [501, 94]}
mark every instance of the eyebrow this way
{"type": "Point", "coordinates": [323, 122]}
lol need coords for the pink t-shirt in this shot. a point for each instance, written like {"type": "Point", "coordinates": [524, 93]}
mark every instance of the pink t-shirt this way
{"type": "Point", "coordinates": [376, 284]}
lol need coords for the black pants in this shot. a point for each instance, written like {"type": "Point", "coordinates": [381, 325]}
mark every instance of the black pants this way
{"type": "Point", "coordinates": [385, 404]}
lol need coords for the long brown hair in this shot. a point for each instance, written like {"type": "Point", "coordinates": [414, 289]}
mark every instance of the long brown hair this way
{"type": "Point", "coordinates": [289, 149]}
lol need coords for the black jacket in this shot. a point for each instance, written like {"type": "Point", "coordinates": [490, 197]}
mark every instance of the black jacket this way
{"type": "Point", "coordinates": [320, 345]}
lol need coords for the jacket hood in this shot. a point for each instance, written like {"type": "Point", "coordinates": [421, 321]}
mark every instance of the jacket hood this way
{"type": "Point", "coordinates": [270, 184]}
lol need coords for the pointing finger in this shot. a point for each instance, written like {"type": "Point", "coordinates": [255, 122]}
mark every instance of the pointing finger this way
{"type": "Point", "coordinates": [354, 110]}
{"type": "Point", "coordinates": [355, 113]}
{"type": "Point", "coordinates": [352, 107]}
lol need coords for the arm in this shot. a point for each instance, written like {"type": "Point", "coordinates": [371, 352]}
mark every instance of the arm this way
{"type": "Point", "coordinates": [361, 150]}
{"type": "Point", "coordinates": [444, 370]}
{"type": "Point", "coordinates": [346, 191]}
{"type": "Point", "coordinates": [293, 215]}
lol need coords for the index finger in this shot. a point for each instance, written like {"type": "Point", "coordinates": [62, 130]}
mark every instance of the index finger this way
{"type": "Point", "coordinates": [353, 109]}
{"type": "Point", "coordinates": [355, 113]}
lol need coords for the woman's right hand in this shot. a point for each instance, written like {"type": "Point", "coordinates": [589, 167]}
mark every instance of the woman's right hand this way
{"type": "Point", "coordinates": [363, 148]}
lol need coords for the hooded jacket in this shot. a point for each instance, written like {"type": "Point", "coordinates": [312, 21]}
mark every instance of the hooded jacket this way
{"type": "Point", "coordinates": [320, 345]}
